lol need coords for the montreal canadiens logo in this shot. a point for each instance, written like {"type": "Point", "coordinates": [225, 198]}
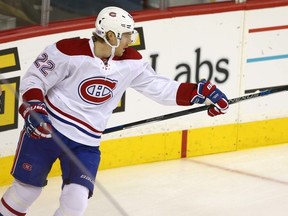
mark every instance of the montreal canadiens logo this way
{"type": "Point", "coordinates": [112, 14]}
{"type": "Point", "coordinates": [97, 90]}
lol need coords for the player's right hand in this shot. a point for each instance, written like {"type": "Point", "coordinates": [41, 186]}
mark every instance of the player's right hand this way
{"type": "Point", "coordinates": [37, 123]}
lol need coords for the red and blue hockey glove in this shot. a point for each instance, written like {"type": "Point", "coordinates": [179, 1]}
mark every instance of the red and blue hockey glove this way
{"type": "Point", "coordinates": [37, 123]}
{"type": "Point", "coordinates": [208, 93]}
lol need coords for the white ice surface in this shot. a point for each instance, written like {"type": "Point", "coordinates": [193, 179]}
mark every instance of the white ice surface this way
{"type": "Point", "coordinates": [245, 183]}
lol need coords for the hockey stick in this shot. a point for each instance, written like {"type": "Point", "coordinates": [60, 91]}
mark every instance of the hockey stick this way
{"type": "Point", "coordinates": [260, 93]}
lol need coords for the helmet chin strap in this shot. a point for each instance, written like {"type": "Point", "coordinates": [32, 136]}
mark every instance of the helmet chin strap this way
{"type": "Point", "coordinates": [113, 48]}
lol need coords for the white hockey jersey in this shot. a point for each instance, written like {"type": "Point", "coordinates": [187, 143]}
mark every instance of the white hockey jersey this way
{"type": "Point", "coordinates": [81, 91]}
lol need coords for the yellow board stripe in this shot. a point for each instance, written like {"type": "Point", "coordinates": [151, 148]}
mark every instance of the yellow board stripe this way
{"type": "Point", "coordinates": [5, 168]}
{"type": "Point", "coordinates": [168, 146]}
{"type": "Point", "coordinates": [211, 140]}
{"type": "Point", "coordinates": [263, 133]}
{"type": "Point", "coordinates": [7, 60]}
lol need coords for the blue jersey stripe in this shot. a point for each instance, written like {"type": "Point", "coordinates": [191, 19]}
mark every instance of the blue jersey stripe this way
{"type": "Point", "coordinates": [72, 124]}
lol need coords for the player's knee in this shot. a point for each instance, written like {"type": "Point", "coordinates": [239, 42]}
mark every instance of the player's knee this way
{"type": "Point", "coordinates": [73, 200]}
{"type": "Point", "coordinates": [19, 197]}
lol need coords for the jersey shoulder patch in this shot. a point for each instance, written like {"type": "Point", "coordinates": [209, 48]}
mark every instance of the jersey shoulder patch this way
{"type": "Point", "coordinates": [74, 46]}
{"type": "Point", "coordinates": [129, 54]}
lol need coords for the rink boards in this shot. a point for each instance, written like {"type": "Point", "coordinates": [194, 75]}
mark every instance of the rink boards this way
{"type": "Point", "coordinates": [179, 144]}
{"type": "Point", "coordinates": [227, 43]}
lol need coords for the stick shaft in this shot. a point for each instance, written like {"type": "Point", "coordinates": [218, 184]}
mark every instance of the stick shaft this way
{"type": "Point", "coordinates": [195, 110]}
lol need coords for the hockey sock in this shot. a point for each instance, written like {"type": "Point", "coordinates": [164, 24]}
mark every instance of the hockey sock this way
{"type": "Point", "coordinates": [73, 200]}
{"type": "Point", "coordinates": [18, 198]}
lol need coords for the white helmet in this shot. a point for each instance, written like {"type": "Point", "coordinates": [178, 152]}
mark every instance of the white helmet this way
{"type": "Point", "coordinates": [117, 20]}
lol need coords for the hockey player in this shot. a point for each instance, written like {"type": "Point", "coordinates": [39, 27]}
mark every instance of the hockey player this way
{"type": "Point", "coordinates": [69, 93]}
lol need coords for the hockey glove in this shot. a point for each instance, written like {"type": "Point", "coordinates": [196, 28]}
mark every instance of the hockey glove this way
{"type": "Point", "coordinates": [37, 123]}
{"type": "Point", "coordinates": [208, 93]}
